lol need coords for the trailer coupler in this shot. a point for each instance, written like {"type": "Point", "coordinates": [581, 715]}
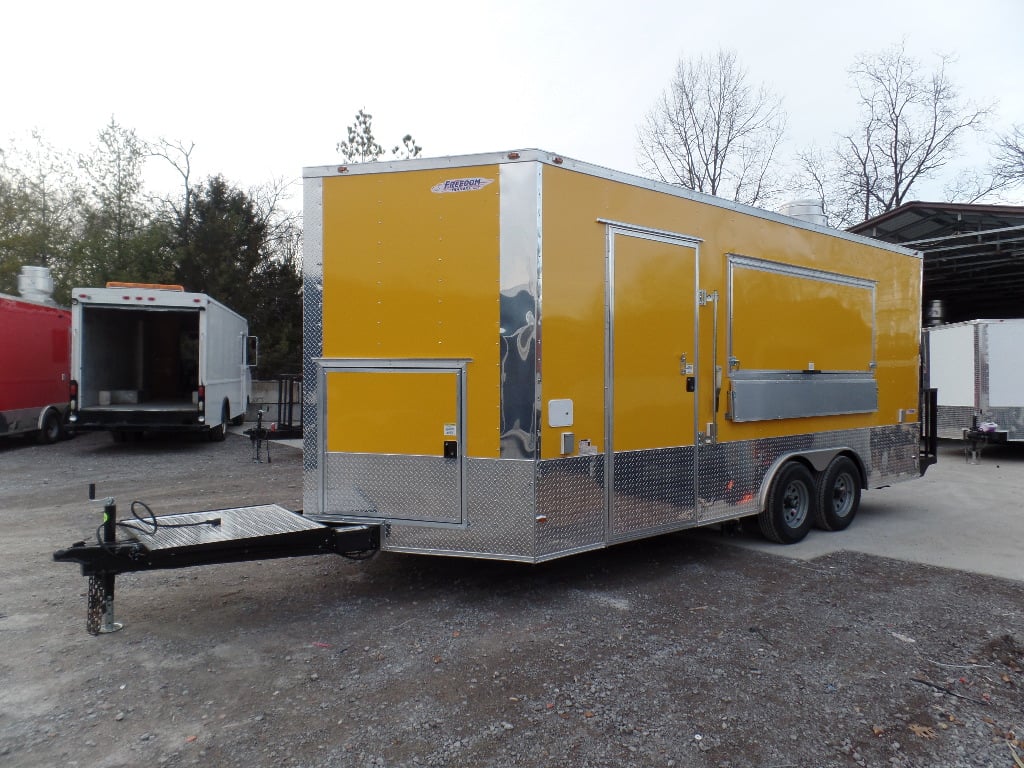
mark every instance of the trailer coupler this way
{"type": "Point", "coordinates": [233, 535]}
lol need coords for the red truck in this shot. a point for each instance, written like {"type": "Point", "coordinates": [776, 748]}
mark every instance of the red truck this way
{"type": "Point", "coordinates": [35, 343]}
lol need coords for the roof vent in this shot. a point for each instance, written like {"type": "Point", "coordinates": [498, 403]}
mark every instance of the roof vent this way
{"type": "Point", "coordinates": [806, 210]}
{"type": "Point", "coordinates": [934, 313]}
{"type": "Point", "coordinates": [35, 284]}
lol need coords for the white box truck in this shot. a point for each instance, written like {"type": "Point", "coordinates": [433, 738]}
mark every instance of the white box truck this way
{"type": "Point", "coordinates": [978, 369]}
{"type": "Point", "coordinates": [156, 358]}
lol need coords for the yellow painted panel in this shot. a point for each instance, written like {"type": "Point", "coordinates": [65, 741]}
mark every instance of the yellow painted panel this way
{"type": "Point", "coordinates": [412, 271]}
{"type": "Point", "coordinates": [572, 309]}
{"type": "Point", "coordinates": [653, 310]}
{"type": "Point", "coordinates": [391, 412]}
{"type": "Point", "coordinates": [787, 322]}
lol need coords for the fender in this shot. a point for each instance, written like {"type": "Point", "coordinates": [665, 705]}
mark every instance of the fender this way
{"type": "Point", "coordinates": [818, 459]}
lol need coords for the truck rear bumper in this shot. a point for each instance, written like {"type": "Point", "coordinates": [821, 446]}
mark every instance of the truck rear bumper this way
{"type": "Point", "coordinates": [136, 418]}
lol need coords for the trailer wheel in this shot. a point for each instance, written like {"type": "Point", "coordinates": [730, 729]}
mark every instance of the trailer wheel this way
{"type": "Point", "coordinates": [838, 495]}
{"type": "Point", "coordinates": [790, 511]}
{"type": "Point", "coordinates": [51, 430]}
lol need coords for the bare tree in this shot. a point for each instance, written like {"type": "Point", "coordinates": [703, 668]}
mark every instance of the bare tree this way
{"type": "Point", "coordinates": [180, 159]}
{"type": "Point", "coordinates": [282, 222]}
{"type": "Point", "coordinates": [1009, 158]}
{"type": "Point", "coordinates": [712, 131]}
{"type": "Point", "coordinates": [911, 121]}
{"type": "Point", "coordinates": [817, 176]}
{"type": "Point", "coordinates": [971, 185]}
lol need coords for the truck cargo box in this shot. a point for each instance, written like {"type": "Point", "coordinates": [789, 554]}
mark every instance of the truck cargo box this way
{"type": "Point", "coordinates": [34, 367]}
{"type": "Point", "coordinates": [157, 358]}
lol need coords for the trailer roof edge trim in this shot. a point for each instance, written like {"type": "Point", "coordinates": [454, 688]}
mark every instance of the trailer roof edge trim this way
{"type": "Point", "coordinates": [561, 161]}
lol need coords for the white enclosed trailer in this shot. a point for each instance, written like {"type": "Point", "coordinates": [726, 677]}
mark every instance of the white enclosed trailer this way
{"type": "Point", "coordinates": [978, 369]}
{"type": "Point", "coordinates": [156, 358]}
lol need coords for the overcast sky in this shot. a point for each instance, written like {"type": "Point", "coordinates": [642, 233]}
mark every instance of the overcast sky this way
{"type": "Point", "coordinates": [267, 88]}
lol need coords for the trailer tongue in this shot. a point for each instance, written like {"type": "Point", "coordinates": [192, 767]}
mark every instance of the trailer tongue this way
{"type": "Point", "coordinates": [238, 534]}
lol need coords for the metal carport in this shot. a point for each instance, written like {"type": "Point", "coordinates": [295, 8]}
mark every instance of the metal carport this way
{"type": "Point", "coordinates": [973, 256]}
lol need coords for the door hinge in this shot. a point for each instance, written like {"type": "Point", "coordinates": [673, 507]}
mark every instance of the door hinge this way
{"type": "Point", "coordinates": [705, 297]}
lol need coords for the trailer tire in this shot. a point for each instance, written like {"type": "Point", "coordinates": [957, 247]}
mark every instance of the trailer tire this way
{"type": "Point", "coordinates": [52, 428]}
{"type": "Point", "coordinates": [838, 495]}
{"type": "Point", "coordinates": [219, 432]}
{"type": "Point", "coordinates": [792, 502]}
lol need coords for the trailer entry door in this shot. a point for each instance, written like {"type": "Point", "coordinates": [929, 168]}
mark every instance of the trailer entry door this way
{"type": "Point", "coordinates": [651, 355]}
{"type": "Point", "coordinates": [393, 442]}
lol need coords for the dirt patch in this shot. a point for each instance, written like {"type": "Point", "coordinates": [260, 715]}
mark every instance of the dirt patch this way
{"type": "Point", "coordinates": [677, 651]}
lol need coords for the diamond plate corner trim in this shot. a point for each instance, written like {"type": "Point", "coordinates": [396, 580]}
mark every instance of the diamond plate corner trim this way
{"type": "Point", "coordinates": [312, 338]}
{"type": "Point", "coordinates": [981, 366]}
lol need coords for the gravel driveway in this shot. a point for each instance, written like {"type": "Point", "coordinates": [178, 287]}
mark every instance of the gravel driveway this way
{"type": "Point", "coordinates": [685, 650]}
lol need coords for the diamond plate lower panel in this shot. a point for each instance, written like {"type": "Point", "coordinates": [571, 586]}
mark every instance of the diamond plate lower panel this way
{"type": "Point", "coordinates": [532, 511]}
{"type": "Point", "coordinates": [732, 474]}
{"type": "Point", "coordinates": [500, 516]}
{"type": "Point", "coordinates": [653, 491]}
{"type": "Point", "coordinates": [952, 420]}
{"type": "Point", "coordinates": [570, 504]}
{"type": "Point", "coordinates": [895, 454]}
{"type": "Point", "coordinates": [1009, 419]}
{"type": "Point", "coordinates": [420, 488]}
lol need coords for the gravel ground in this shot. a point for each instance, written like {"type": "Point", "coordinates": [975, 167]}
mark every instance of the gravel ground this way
{"type": "Point", "coordinates": [678, 651]}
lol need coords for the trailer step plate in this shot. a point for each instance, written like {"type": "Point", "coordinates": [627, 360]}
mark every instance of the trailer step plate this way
{"type": "Point", "coordinates": [192, 529]}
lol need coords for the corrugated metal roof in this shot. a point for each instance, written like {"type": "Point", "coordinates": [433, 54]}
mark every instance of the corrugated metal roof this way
{"type": "Point", "coordinates": [973, 254]}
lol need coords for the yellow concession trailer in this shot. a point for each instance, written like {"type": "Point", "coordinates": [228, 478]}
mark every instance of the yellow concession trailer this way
{"type": "Point", "coordinates": [522, 356]}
